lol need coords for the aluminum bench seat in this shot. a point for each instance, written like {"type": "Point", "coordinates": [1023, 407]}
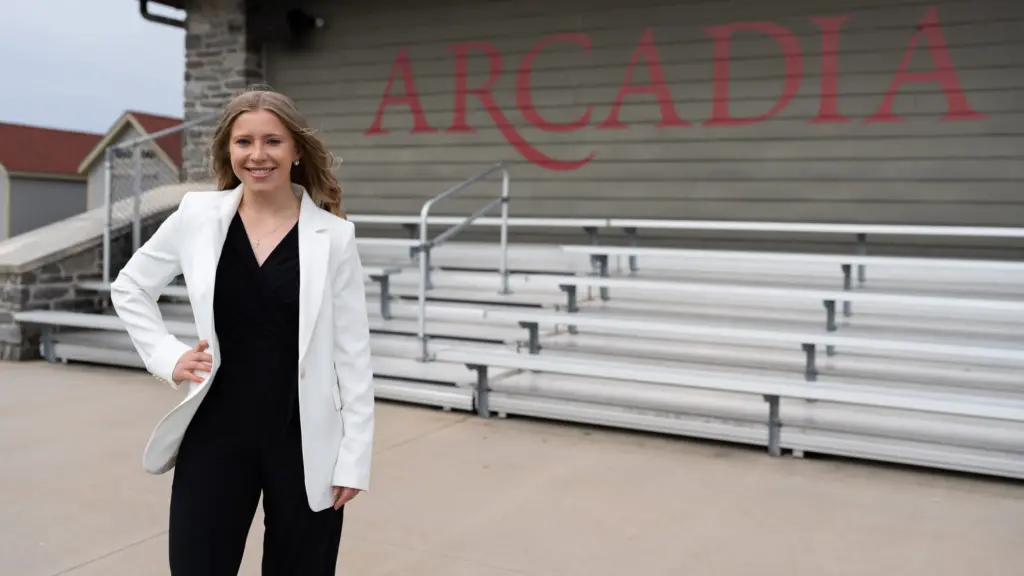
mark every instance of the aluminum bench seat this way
{"type": "Point", "coordinates": [925, 263]}
{"type": "Point", "coordinates": [739, 357]}
{"type": "Point", "coordinates": [999, 352]}
{"type": "Point", "coordinates": [802, 265]}
{"type": "Point", "coordinates": [440, 329]}
{"type": "Point", "coordinates": [381, 275]}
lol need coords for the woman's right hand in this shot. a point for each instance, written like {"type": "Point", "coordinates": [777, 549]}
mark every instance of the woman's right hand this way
{"type": "Point", "coordinates": [194, 359]}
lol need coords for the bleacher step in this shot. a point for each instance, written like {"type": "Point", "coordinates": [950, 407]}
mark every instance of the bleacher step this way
{"type": "Point", "coordinates": [479, 331]}
{"type": "Point", "coordinates": [423, 394]}
{"type": "Point", "coordinates": [680, 402]}
{"type": "Point", "coordinates": [80, 348]}
{"type": "Point", "coordinates": [437, 373]}
{"type": "Point", "coordinates": [811, 314]}
{"type": "Point", "coordinates": [381, 345]}
{"type": "Point", "coordinates": [871, 446]}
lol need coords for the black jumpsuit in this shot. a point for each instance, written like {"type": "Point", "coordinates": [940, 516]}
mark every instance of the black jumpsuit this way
{"type": "Point", "coordinates": [245, 437]}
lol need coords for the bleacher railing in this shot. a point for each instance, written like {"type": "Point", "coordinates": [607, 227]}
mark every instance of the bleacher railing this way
{"type": "Point", "coordinates": [131, 168]}
{"type": "Point", "coordinates": [427, 244]}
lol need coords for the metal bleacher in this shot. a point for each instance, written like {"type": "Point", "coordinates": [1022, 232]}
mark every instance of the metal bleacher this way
{"type": "Point", "coordinates": [910, 360]}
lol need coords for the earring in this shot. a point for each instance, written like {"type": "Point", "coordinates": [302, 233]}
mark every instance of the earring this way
{"type": "Point", "coordinates": [296, 162]}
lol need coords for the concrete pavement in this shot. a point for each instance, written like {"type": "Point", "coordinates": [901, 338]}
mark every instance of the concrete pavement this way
{"type": "Point", "coordinates": [454, 495]}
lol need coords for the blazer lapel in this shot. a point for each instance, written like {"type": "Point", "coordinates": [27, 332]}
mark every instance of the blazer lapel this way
{"type": "Point", "coordinates": [208, 247]}
{"type": "Point", "coordinates": [314, 253]}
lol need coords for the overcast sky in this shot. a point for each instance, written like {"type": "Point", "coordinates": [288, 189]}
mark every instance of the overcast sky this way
{"type": "Point", "coordinates": [78, 64]}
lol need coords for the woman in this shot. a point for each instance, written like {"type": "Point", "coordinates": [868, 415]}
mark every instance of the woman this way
{"type": "Point", "coordinates": [280, 389]}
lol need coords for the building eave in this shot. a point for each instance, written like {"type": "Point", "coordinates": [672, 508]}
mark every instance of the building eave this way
{"type": "Point", "coordinates": [168, 21]}
{"type": "Point", "coordinates": [47, 176]}
{"type": "Point", "coordinates": [176, 4]}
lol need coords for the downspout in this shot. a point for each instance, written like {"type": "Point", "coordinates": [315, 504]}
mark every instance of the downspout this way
{"type": "Point", "coordinates": [144, 10]}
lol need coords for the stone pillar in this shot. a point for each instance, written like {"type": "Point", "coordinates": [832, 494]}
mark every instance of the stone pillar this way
{"type": "Point", "coordinates": [220, 62]}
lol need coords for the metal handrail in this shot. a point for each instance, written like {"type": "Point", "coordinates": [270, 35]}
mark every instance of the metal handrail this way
{"type": "Point", "coordinates": [426, 245]}
{"type": "Point", "coordinates": [108, 156]}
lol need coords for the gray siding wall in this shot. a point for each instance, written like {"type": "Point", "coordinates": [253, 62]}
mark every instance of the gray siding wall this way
{"type": "Point", "coordinates": [36, 203]}
{"type": "Point", "coordinates": [96, 183]}
{"type": "Point", "coordinates": [922, 166]}
{"type": "Point", "coordinates": [155, 172]}
{"type": "Point", "coordinates": [5, 191]}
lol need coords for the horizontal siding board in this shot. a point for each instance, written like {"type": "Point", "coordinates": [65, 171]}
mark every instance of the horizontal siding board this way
{"type": "Point", "coordinates": [361, 37]}
{"type": "Point", "coordinates": [526, 192]}
{"type": "Point", "coordinates": [695, 107]}
{"type": "Point", "coordinates": [856, 107]}
{"type": "Point", "coordinates": [767, 80]}
{"type": "Point", "coordinates": [750, 84]}
{"type": "Point", "coordinates": [963, 148]}
{"type": "Point", "coordinates": [643, 109]}
{"type": "Point", "coordinates": [934, 213]}
{"type": "Point", "coordinates": [346, 131]}
{"type": "Point", "coordinates": [674, 46]}
{"type": "Point", "coordinates": [439, 13]}
{"type": "Point", "coordinates": [683, 172]}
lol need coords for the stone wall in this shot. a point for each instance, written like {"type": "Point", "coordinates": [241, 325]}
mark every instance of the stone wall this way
{"type": "Point", "coordinates": [220, 62]}
{"type": "Point", "coordinates": [49, 287]}
{"type": "Point", "coordinates": [52, 286]}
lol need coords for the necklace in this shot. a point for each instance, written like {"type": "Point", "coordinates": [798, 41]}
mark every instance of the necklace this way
{"type": "Point", "coordinates": [259, 240]}
{"type": "Point", "coordinates": [275, 229]}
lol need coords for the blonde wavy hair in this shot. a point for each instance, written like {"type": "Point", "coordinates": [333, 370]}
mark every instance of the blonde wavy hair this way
{"type": "Point", "coordinates": [315, 170]}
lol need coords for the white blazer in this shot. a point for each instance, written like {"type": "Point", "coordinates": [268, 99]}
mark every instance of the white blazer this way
{"type": "Point", "coordinates": [336, 402]}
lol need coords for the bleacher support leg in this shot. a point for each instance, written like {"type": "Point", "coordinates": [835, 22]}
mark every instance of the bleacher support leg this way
{"type": "Point", "coordinates": [48, 352]}
{"type": "Point", "coordinates": [631, 232]}
{"type": "Point", "coordinates": [385, 295]}
{"type": "Point", "coordinates": [811, 367]}
{"type": "Point", "coordinates": [534, 331]}
{"type": "Point", "coordinates": [847, 286]}
{"type": "Point", "coordinates": [774, 426]}
{"type": "Point", "coordinates": [570, 291]}
{"type": "Point", "coordinates": [862, 249]}
{"type": "Point", "coordinates": [483, 408]}
{"type": "Point", "coordinates": [601, 260]}
{"type": "Point", "coordinates": [413, 230]}
{"type": "Point", "coordinates": [830, 323]}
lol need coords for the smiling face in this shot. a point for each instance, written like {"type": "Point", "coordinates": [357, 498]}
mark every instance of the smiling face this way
{"type": "Point", "coordinates": [262, 151]}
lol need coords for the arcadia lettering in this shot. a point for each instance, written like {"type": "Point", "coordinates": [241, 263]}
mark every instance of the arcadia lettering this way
{"type": "Point", "coordinates": [928, 35]}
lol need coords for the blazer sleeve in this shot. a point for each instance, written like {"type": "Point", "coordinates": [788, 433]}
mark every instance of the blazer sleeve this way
{"type": "Point", "coordinates": [354, 368]}
{"type": "Point", "coordinates": [134, 294]}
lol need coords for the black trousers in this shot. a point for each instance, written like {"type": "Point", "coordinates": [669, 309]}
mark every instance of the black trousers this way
{"type": "Point", "coordinates": [221, 469]}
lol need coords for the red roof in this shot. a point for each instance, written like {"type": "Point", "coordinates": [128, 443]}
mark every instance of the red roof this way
{"type": "Point", "coordinates": [171, 143]}
{"type": "Point", "coordinates": [44, 150]}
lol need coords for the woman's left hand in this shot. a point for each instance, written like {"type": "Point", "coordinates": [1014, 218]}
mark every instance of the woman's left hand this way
{"type": "Point", "coordinates": [342, 495]}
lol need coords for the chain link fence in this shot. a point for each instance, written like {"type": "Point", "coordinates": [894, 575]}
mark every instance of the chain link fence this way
{"type": "Point", "coordinates": [133, 168]}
